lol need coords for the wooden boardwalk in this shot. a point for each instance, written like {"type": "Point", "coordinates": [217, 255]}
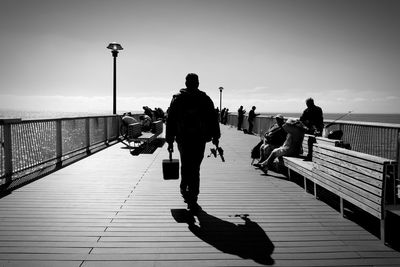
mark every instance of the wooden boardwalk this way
{"type": "Point", "coordinates": [114, 209]}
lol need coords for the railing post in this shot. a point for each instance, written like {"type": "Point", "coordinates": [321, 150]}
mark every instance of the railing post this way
{"type": "Point", "coordinates": [8, 164]}
{"type": "Point", "coordinates": [59, 142]}
{"type": "Point", "coordinates": [106, 130]}
{"type": "Point", "coordinates": [87, 131]}
{"type": "Point", "coordinates": [397, 176]}
{"type": "Point", "coordinates": [118, 125]}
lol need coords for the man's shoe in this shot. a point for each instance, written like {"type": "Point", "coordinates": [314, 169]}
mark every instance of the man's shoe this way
{"type": "Point", "coordinates": [264, 169]}
{"type": "Point", "coordinates": [257, 165]}
{"type": "Point", "coordinates": [194, 207]}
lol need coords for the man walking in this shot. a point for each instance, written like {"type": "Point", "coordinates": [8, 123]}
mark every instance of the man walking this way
{"type": "Point", "coordinates": [191, 122]}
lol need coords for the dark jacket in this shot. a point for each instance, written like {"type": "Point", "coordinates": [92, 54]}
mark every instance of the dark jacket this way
{"type": "Point", "coordinates": [192, 117]}
{"type": "Point", "coordinates": [312, 118]}
{"type": "Point", "coordinates": [275, 135]}
{"type": "Point", "coordinates": [252, 115]}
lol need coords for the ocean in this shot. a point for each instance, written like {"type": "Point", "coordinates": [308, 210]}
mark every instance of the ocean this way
{"type": "Point", "coordinates": [364, 117]}
{"type": "Point", "coordinates": [29, 115]}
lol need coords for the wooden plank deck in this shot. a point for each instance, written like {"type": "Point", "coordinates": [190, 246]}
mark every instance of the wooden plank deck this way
{"type": "Point", "coordinates": [114, 209]}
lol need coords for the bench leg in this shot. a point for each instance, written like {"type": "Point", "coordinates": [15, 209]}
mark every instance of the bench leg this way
{"type": "Point", "coordinates": [315, 191]}
{"type": "Point", "coordinates": [305, 184]}
{"type": "Point", "coordinates": [383, 236]}
{"type": "Point", "coordinates": [341, 207]}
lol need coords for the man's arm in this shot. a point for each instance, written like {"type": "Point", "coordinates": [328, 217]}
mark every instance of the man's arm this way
{"type": "Point", "coordinates": [170, 131]}
{"type": "Point", "coordinates": [213, 117]}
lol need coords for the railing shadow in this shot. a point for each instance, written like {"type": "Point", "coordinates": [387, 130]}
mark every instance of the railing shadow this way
{"type": "Point", "coordinates": [248, 240]}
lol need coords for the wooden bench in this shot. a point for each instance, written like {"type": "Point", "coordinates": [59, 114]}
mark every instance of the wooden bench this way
{"type": "Point", "coordinates": [301, 165]}
{"type": "Point", "coordinates": [136, 136]}
{"type": "Point", "coordinates": [366, 181]}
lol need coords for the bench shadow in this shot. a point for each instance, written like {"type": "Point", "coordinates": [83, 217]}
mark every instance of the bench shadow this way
{"type": "Point", "coordinates": [149, 148]}
{"type": "Point", "coordinates": [247, 240]}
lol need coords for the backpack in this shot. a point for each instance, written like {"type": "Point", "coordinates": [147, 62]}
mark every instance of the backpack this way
{"type": "Point", "coordinates": [255, 151]}
{"type": "Point", "coordinates": [193, 120]}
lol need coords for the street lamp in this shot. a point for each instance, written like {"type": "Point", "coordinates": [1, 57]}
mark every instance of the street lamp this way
{"type": "Point", "coordinates": [114, 51]}
{"type": "Point", "coordinates": [220, 98]}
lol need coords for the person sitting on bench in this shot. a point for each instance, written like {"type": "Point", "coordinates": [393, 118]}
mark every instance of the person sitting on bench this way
{"type": "Point", "coordinates": [273, 138]}
{"type": "Point", "coordinates": [291, 147]}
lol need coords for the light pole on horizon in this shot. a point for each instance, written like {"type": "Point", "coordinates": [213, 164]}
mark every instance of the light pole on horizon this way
{"type": "Point", "coordinates": [220, 98]}
{"type": "Point", "coordinates": [115, 47]}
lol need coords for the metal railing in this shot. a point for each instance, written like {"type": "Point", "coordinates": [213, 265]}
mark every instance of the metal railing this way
{"type": "Point", "coordinates": [28, 146]}
{"type": "Point", "coordinates": [379, 139]}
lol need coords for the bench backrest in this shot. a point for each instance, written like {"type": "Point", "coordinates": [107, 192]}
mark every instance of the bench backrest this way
{"type": "Point", "coordinates": [319, 140]}
{"type": "Point", "coordinates": [359, 178]}
{"type": "Point", "coordinates": [134, 130]}
{"type": "Point", "coordinates": [158, 127]}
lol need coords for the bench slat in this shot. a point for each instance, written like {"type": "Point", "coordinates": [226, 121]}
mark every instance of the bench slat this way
{"type": "Point", "coordinates": [356, 154]}
{"type": "Point", "coordinates": [300, 166]}
{"type": "Point", "coordinates": [326, 141]}
{"type": "Point", "coordinates": [348, 183]}
{"type": "Point", "coordinates": [362, 165]}
{"type": "Point", "coordinates": [375, 180]}
{"type": "Point", "coordinates": [323, 180]}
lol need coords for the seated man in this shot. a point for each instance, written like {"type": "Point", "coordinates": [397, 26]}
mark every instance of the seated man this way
{"type": "Point", "coordinates": [145, 121]}
{"type": "Point", "coordinates": [273, 138]}
{"type": "Point", "coordinates": [128, 118]}
{"type": "Point", "coordinates": [292, 145]}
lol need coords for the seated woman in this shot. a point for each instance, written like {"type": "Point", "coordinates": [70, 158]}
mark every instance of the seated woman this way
{"type": "Point", "coordinates": [292, 145]}
{"type": "Point", "coordinates": [273, 138]}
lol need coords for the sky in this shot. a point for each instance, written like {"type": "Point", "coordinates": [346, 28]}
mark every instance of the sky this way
{"type": "Point", "coordinates": [272, 54]}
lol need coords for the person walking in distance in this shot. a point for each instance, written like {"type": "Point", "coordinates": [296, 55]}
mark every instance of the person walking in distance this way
{"type": "Point", "coordinates": [192, 122]}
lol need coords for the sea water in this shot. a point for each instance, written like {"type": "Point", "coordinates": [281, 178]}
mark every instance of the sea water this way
{"type": "Point", "coordinates": [364, 117]}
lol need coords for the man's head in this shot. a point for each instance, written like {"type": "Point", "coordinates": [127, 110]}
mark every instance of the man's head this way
{"type": "Point", "coordinates": [279, 119]}
{"type": "Point", "coordinates": [192, 81]}
{"type": "Point", "coordinates": [309, 102]}
{"type": "Point", "coordinates": [253, 107]}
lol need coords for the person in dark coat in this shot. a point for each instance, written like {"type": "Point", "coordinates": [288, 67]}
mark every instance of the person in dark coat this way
{"type": "Point", "coordinates": [191, 122]}
{"type": "Point", "coordinates": [312, 118]}
{"type": "Point", "coordinates": [241, 113]}
{"type": "Point", "coordinates": [250, 119]}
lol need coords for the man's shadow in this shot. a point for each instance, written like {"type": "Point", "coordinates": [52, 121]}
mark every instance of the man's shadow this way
{"type": "Point", "coordinates": [248, 240]}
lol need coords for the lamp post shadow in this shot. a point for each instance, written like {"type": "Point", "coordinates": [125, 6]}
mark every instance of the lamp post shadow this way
{"type": "Point", "coordinates": [247, 240]}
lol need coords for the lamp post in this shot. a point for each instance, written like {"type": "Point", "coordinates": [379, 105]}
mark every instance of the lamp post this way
{"type": "Point", "coordinates": [115, 47]}
{"type": "Point", "coordinates": [220, 98]}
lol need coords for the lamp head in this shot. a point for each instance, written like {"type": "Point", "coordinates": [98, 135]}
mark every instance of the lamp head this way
{"type": "Point", "coordinates": [114, 46]}
{"type": "Point", "coordinates": [221, 88]}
